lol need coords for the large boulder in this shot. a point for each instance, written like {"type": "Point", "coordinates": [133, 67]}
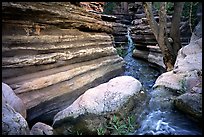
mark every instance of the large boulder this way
{"type": "Point", "coordinates": [13, 122]}
{"type": "Point", "coordinates": [120, 95]}
{"type": "Point", "coordinates": [189, 57]}
{"type": "Point", "coordinates": [41, 129]}
{"type": "Point", "coordinates": [190, 104]}
{"type": "Point", "coordinates": [13, 100]}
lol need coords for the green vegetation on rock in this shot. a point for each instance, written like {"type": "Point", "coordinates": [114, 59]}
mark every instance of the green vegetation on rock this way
{"type": "Point", "coordinates": [117, 125]}
{"type": "Point", "coordinates": [121, 51]}
{"type": "Point", "coordinates": [183, 86]}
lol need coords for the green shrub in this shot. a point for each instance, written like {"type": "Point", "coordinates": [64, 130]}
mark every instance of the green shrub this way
{"type": "Point", "coordinates": [121, 51]}
{"type": "Point", "coordinates": [183, 86]}
{"type": "Point", "coordinates": [117, 125]}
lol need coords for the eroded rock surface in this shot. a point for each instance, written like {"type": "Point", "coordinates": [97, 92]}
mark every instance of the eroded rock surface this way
{"type": "Point", "coordinates": [120, 95]}
{"type": "Point", "coordinates": [13, 122]}
{"type": "Point", "coordinates": [53, 52]}
{"type": "Point", "coordinates": [14, 101]}
{"type": "Point", "coordinates": [190, 104]}
{"type": "Point", "coordinates": [41, 129]}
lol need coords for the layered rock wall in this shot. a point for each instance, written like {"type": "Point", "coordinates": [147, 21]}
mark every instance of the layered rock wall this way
{"type": "Point", "coordinates": [143, 35]}
{"type": "Point", "coordinates": [53, 52]}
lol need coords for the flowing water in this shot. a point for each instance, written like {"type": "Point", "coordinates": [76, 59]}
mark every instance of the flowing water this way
{"type": "Point", "coordinates": [139, 69]}
{"type": "Point", "coordinates": [155, 121]}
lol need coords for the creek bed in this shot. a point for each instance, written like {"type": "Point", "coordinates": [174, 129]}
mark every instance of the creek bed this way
{"type": "Point", "coordinates": [154, 121]}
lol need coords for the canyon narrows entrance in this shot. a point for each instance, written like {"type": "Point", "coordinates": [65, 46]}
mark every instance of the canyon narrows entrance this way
{"type": "Point", "coordinates": [137, 68]}
{"type": "Point", "coordinates": [154, 120]}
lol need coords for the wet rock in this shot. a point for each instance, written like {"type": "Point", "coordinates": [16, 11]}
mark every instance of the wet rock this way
{"type": "Point", "coordinates": [13, 122]}
{"type": "Point", "coordinates": [41, 129]}
{"type": "Point", "coordinates": [162, 99]}
{"type": "Point", "coordinates": [191, 104]}
{"type": "Point", "coordinates": [14, 101]}
{"type": "Point", "coordinates": [119, 95]}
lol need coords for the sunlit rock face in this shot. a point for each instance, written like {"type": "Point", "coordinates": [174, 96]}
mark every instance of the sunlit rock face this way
{"type": "Point", "coordinates": [121, 95]}
{"type": "Point", "coordinates": [93, 6]}
{"type": "Point", "coordinates": [53, 52]}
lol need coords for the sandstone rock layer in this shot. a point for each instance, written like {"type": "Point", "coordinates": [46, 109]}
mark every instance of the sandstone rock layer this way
{"type": "Point", "coordinates": [53, 52]}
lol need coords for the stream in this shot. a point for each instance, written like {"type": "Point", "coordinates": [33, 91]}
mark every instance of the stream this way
{"type": "Point", "coordinates": [153, 120]}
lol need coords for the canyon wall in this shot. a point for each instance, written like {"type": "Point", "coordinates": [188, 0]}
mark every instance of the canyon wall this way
{"type": "Point", "coordinates": [53, 52]}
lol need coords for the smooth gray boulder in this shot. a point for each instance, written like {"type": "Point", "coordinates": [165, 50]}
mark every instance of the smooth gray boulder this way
{"type": "Point", "coordinates": [13, 100]}
{"type": "Point", "coordinates": [190, 104]}
{"type": "Point", "coordinates": [119, 95]}
{"type": "Point", "coordinates": [13, 122]}
{"type": "Point", "coordinates": [41, 129]}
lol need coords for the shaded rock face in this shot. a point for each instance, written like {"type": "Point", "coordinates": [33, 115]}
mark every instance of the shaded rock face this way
{"type": "Point", "coordinates": [119, 33]}
{"type": "Point", "coordinates": [150, 53]}
{"type": "Point", "coordinates": [119, 95]}
{"type": "Point", "coordinates": [53, 52]}
{"type": "Point", "coordinates": [13, 122]}
{"type": "Point", "coordinates": [13, 100]}
{"type": "Point", "coordinates": [41, 129]}
{"type": "Point", "coordinates": [190, 104]}
{"type": "Point", "coordinates": [184, 82]}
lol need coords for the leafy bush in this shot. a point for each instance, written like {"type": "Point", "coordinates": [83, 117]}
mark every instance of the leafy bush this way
{"type": "Point", "coordinates": [117, 125]}
{"type": "Point", "coordinates": [121, 51]}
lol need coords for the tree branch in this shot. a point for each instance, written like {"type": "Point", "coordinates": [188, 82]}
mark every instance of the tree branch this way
{"type": "Point", "coordinates": [162, 26]}
{"type": "Point", "coordinates": [175, 25]}
{"type": "Point", "coordinates": [150, 18]}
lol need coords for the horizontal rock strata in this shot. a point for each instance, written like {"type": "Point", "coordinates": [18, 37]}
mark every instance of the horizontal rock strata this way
{"type": "Point", "coordinates": [53, 52]}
